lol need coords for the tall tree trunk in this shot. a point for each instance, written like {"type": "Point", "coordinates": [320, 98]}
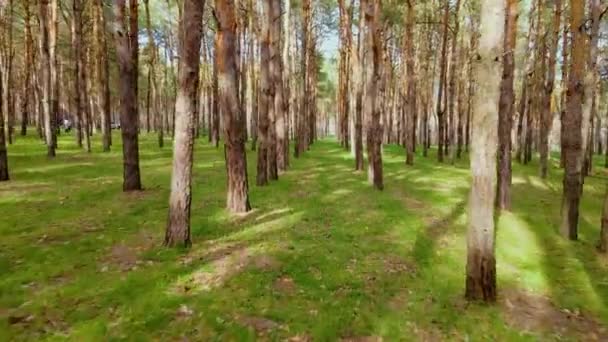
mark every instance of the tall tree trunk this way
{"type": "Point", "coordinates": [27, 78]}
{"type": "Point", "coordinates": [236, 159]}
{"type": "Point", "coordinates": [215, 122]}
{"type": "Point", "coordinates": [265, 102]}
{"type": "Point", "coordinates": [452, 85]}
{"type": "Point", "coordinates": [126, 42]}
{"type": "Point", "coordinates": [153, 84]}
{"type": "Point", "coordinates": [10, 97]}
{"type": "Point", "coordinates": [76, 54]}
{"type": "Point", "coordinates": [359, 80]}
{"type": "Point", "coordinates": [278, 132]}
{"type": "Point", "coordinates": [45, 76]}
{"type": "Point", "coordinates": [4, 176]}
{"type": "Point", "coordinates": [54, 71]}
{"type": "Point", "coordinates": [104, 80]}
{"type": "Point", "coordinates": [481, 262]}
{"type": "Point", "coordinates": [525, 98]}
{"type": "Point", "coordinates": [572, 137]}
{"type": "Point", "coordinates": [373, 41]}
{"type": "Point", "coordinates": [546, 114]}
{"type": "Point", "coordinates": [505, 109]}
{"type": "Point", "coordinates": [442, 80]}
{"type": "Point", "coordinates": [178, 224]}
{"type": "Point", "coordinates": [301, 136]}
{"type": "Point", "coordinates": [590, 81]}
{"type": "Point", "coordinates": [410, 142]}
{"type": "Point", "coordinates": [344, 71]}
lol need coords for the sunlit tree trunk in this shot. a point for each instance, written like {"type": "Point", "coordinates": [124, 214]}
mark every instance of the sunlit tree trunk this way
{"type": "Point", "coordinates": [10, 97]}
{"type": "Point", "coordinates": [77, 55]}
{"type": "Point", "coordinates": [178, 223]}
{"type": "Point", "coordinates": [126, 42]}
{"type": "Point", "coordinates": [481, 262]}
{"type": "Point", "coordinates": [452, 85]}
{"type": "Point", "coordinates": [442, 80]}
{"type": "Point", "coordinates": [104, 80]}
{"type": "Point", "coordinates": [28, 65]}
{"type": "Point", "coordinates": [359, 80]}
{"type": "Point", "coordinates": [4, 175]}
{"type": "Point", "coordinates": [236, 159]}
{"type": "Point", "coordinates": [266, 101]}
{"type": "Point", "coordinates": [526, 98]}
{"type": "Point", "coordinates": [45, 76]}
{"type": "Point", "coordinates": [411, 82]}
{"type": "Point", "coordinates": [590, 81]}
{"type": "Point", "coordinates": [505, 109]}
{"type": "Point", "coordinates": [572, 135]}
{"type": "Point", "coordinates": [153, 84]}
{"type": "Point", "coordinates": [373, 42]}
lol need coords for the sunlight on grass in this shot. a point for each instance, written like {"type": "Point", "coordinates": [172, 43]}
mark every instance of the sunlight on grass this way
{"type": "Point", "coordinates": [518, 254]}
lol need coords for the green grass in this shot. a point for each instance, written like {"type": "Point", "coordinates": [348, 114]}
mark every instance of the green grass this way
{"type": "Point", "coordinates": [322, 256]}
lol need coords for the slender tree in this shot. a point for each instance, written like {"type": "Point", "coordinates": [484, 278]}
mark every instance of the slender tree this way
{"type": "Point", "coordinates": [266, 104]}
{"type": "Point", "coordinates": [411, 81]}
{"type": "Point", "coordinates": [505, 109]}
{"type": "Point", "coordinates": [178, 226]}
{"type": "Point", "coordinates": [373, 41]}
{"type": "Point", "coordinates": [126, 42]}
{"type": "Point", "coordinates": [572, 135]}
{"type": "Point", "coordinates": [103, 70]}
{"type": "Point", "coordinates": [546, 113]}
{"type": "Point", "coordinates": [236, 159]}
{"type": "Point", "coordinates": [45, 75]}
{"type": "Point", "coordinates": [27, 78]}
{"type": "Point", "coordinates": [481, 262]}
{"type": "Point", "coordinates": [4, 176]}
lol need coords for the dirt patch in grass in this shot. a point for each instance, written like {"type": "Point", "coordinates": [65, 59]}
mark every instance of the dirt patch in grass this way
{"type": "Point", "coordinates": [535, 313]}
{"type": "Point", "coordinates": [362, 339]}
{"type": "Point", "coordinates": [126, 256]}
{"type": "Point", "coordinates": [285, 285]}
{"type": "Point", "coordinates": [261, 325]}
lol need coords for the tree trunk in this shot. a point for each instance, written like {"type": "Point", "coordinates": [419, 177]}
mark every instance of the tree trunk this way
{"type": "Point", "coordinates": [274, 17]}
{"type": "Point", "coordinates": [282, 149]}
{"type": "Point", "coordinates": [452, 86]}
{"type": "Point", "coordinates": [265, 102]}
{"type": "Point", "coordinates": [178, 224]}
{"type": "Point", "coordinates": [10, 97]}
{"type": "Point", "coordinates": [572, 138]}
{"type": "Point", "coordinates": [481, 262]}
{"type": "Point", "coordinates": [442, 80]}
{"type": "Point", "coordinates": [45, 76]}
{"type": "Point", "coordinates": [29, 63]}
{"type": "Point", "coordinates": [410, 142]}
{"type": "Point", "coordinates": [236, 159]}
{"type": "Point", "coordinates": [359, 79]}
{"type": "Point", "coordinates": [126, 42]}
{"type": "Point", "coordinates": [373, 41]}
{"type": "Point", "coordinates": [505, 109]}
{"type": "Point", "coordinates": [4, 176]}
{"type": "Point", "coordinates": [546, 119]}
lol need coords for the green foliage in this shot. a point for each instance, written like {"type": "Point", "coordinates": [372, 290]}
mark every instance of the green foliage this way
{"type": "Point", "coordinates": [322, 255]}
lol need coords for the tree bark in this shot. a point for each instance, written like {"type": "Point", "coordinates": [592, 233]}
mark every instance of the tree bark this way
{"type": "Point", "coordinates": [410, 142]}
{"type": "Point", "coordinates": [126, 42]}
{"type": "Point", "coordinates": [442, 80]}
{"type": "Point", "coordinates": [4, 174]}
{"type": "Point", "coordinates": [282, 149]}
{"type": "Point", "coordinates": [45, 76]}
{"type": "Point", "coordinates": [481, 262]}
{"type": "Point", "coordinates": [178, 226]}
{"type": "Point", "coordinates": [236, 159]}
{"type": "Point", "coordinates": [572, 137]}
{"type": "Point", "coordinates": [29, 63]}
{"type": "Point", "coordinates": [373, 41]}
{"type": "Point", "coordinates": [603, 243]}
{"type": "Point", "coordinates": [266, 104]}
{"type": "Point", "coordinates": [546, 119]}
{"type": "Point", "coordinates": [452, 86]}
{"type": "Point", "coordinates": [505, 109]}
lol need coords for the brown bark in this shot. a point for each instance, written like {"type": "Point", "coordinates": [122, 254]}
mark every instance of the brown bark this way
{"type": "Point", "coordinates": [359, 79]}
{"type": "Point", "coordinates": [481, 262]}
{"type": "Point", "coordinates": [152, 100]}
{"type": "Point", "coordinates": [442, 80]}
{"type": "Point", "coordinates": [10, 97]}
{"type": "Point", "coordinates": [266, 104]}
{"type": "Point", "coordinates": [410, 142]}
{"type": "Point", "coordinates": [127, 66]}
{"type": "Point", "coordinates": [274, 19]}
{"type": "Point", "coordinates": [178, 225]}
{"type": "Point", "coordinates": [45, 75]}
{"type": "Point", "coordinates": [452, 86]}
{"type": "Point", "coordinates": [572, 138]}
{"type": "Point", "coordinates": [345, 7]}
{"type": "Point", "coordinates": [546, 115]}
{"type": "Point", "coordinates": [282, 149]}
{"type": "Point", "coordinates": [28, 64]}
{"type": "Point", "coordinates": [236, 159]}
{"type": "Point", "coordinates": [505, 109]}
{"type": "Point", "coordinates": [4, 174]}
{"type": "Point", "coordinates": [373, 41]}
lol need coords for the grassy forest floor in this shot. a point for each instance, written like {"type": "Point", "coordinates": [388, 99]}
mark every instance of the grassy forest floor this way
{"type": "Point", "coordinates": [322, 256]}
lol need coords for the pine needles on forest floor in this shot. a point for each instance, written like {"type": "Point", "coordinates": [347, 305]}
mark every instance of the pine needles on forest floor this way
{"type": "Point", "coordinates": [322, 257]}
